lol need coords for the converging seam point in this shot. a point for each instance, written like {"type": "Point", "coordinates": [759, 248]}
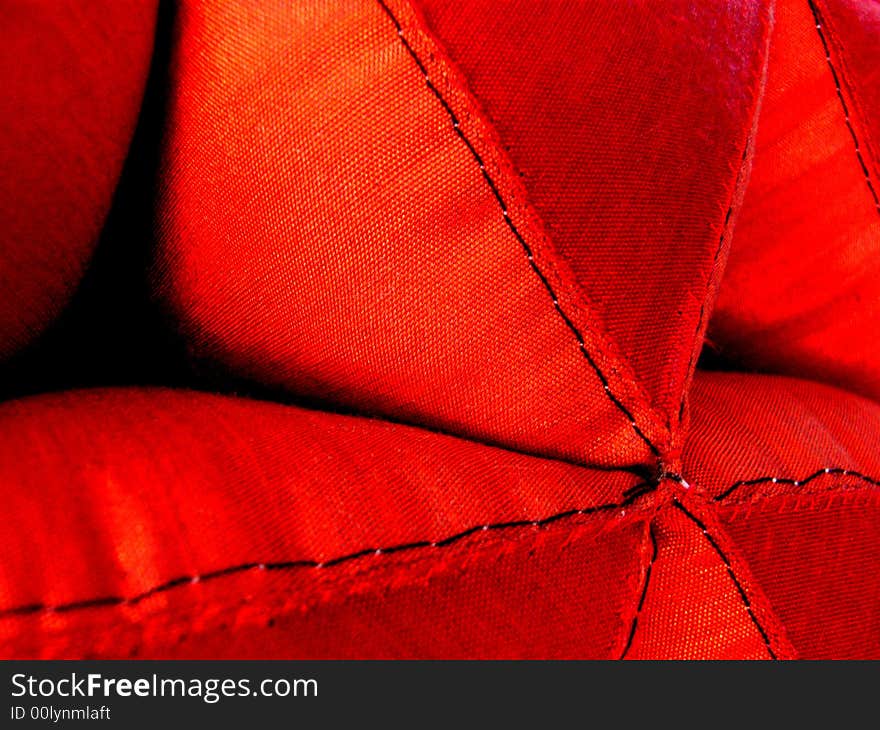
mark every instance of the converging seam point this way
{"type": "Point", "coordinates": [505, 213]}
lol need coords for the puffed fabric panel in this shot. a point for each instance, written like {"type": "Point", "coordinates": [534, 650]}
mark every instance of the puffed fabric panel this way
{"type": "Point", "coordinates": [203, 525]}
{"type": "Point", "coordinates": [379, 254]}
{"type": "Point", "coordinates": [462, 264]}
{"type": "Point", "coordinates": [792, 471]}
{"type": "Point", "coordinates": [631, 124]}
{"type": "Point", "coordinates": [284, 532]}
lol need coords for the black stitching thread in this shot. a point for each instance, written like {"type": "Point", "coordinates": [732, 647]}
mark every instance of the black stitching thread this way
{"type": "Point", "coordinates": [817, 16]}
{"type": "Point", "coordinates": [698, 346]}
{"type": "Point", "coordinates": [456, 126]}
{"type": "Point", "coordinates": [836, 471]}
{"type": "Point", "coordinates": [629, 497]}
{"type": "Point", "coordinates": [742, 594]}
{"type": "Point", "coordinates": [644, 594]}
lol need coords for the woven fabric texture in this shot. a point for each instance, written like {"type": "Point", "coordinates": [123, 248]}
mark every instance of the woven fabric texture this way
{"type": "Point", "coordinates": [435, 280]}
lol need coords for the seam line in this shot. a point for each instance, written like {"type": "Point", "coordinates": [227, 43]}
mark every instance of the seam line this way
{"type": "Point", "coordinates": [629, 496]}
{"type": "Point", "coordinates": [697, 341]}
{"type": "Point", "coordinates": [724, 559]}
{"type": "Point", "coordinates": [817, 16]}
{"type": "Point", "coordinates": [505, 213]}
{"type": "Point", "coordinates": [835, 471]}
{"type": "Point", "coordinates": [644, 593]}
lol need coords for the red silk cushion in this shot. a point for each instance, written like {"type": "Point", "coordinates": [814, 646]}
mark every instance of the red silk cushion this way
{"type": "Point", "coordinates": [496, 240]}
{"type": "Point", "coordinates": [200, 525]}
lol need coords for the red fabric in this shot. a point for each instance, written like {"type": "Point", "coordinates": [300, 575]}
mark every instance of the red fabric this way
{"type": "Point", "coordinates": [496, 239]}
{"type": "Point", "coordinates": [801, 294]}
{"type": "Point", "coordinates": [629, 122]}
{"type": "Point", "coordinates": [751, 426]}
{"type": "Point", "coordinates": [793, 468]}
{"type": "Point", "coordinates": [312, 496]}
{"type": "Point", "coordinates": [692, 607]}
{"type": "Point", "coordinates": [817, 560]}
{"type": "Point", "coordinates": [390, 282]}
{"type": "Point", "coordinates": [73, 75]}
{"type": "Point", "coordinates": [153, 489]}
{"type": "Point", "coordinates": [851, 30]}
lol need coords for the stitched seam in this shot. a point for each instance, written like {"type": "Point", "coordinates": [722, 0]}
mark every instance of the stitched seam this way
{"type": "Point", "coordinates": [784, 504]}
{"type": "Point", "coordinates": [276, 601]}
{"type": "Point", "coordinates": [644, 593]}
{"type": "Point", "coordinates": [759, 94]}
{"type": "Point", "coordinates": [456, 126]}
{"type": "Point", "coordinates": [833, 471]}
{"type": "Point", "coordinates": [835, 41]}
{"type": "Point", "coordinates": [724, 559]}
{"type": "Point", "coordinates": [697, 347]}
{"type": "Point", "coordinates": [629, 496]}
{"type": "Point", "coordinates": [817, 16]}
